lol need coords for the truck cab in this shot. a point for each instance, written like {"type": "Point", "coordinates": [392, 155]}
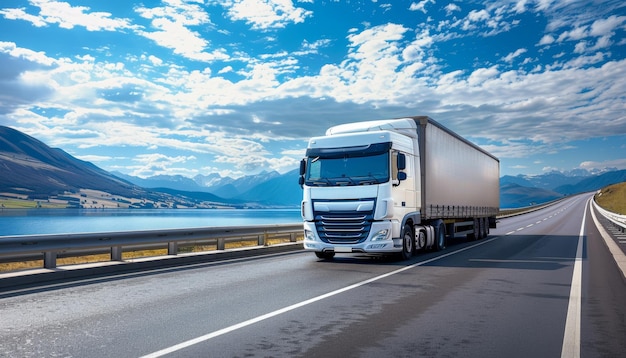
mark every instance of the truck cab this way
{"type": "Point", "coordinates": [358, 186]}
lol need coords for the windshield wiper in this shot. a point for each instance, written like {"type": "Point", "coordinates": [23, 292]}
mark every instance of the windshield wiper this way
{"type": "Point", "coordinates": [344, 180]}
{"type": "Point", "coordinates": [320, 181]}
{"type": "Point", "coordinates": [368, 179]}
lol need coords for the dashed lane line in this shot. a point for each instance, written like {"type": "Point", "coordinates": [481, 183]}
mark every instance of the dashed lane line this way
{"type": "Point", "coordinates": [537, 223]}
{"type": "Point", "coordinates": [295, 306]}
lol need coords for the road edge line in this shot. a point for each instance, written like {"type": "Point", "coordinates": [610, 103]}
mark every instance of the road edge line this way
{"type": "Point", "coordinates": [618, 256]}
{"type": "Point", "coordinates": [571, 336]}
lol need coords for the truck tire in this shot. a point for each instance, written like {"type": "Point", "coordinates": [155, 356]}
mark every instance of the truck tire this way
{"type": "Point", "coordinates": [325, 255]}
{"type": "Point", "coordinates": [440, 235]}
{"type": "Point", "coordinates": [408, 242]}
{"type": "Point", "coordinates": [421, 240]}
{"type": "Point", "coordinates": [475, 234]}
{"type": "Point", "coordinates": [483, 229]}
{"type": "Point", "coordinates": [486, 222]}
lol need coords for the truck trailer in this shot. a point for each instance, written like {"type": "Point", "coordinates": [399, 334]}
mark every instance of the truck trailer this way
{"type": "Point", "coordinates": [395, 186]}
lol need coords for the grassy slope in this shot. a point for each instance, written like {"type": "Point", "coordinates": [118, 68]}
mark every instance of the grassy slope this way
{"type": "Point", "coordinates": [613, 198]}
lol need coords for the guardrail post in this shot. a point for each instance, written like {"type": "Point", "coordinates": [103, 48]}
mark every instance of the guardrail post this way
{"type": "Point", "coordinates": [116, 253]}
{"type": "Point", "coordinates": [172, 248]}
{"type": "Point", "coordinates": [261, 240]}
{"type": "Point", "coordinates": [221, 243]}
{"type": "Point", "coordinates": [50, 259]}
{"type": "Point", "coordinates": [292, 237]}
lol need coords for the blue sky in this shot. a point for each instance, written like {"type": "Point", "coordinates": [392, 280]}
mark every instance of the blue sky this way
{"type": "Point", "coordinates": [236, 87]}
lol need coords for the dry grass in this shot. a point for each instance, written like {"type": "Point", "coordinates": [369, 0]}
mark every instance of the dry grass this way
{"type": "Point", "coordinates": [133, 254]}
{"type": "Point", "coordinates": [613, 198]}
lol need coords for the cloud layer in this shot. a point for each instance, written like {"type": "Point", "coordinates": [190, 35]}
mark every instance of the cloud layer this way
{"type": "Point", "coordinates": [192, 87]}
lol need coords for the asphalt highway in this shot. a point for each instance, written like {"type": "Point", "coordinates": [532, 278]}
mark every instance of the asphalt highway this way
{"type": "Point", "coordinates": [542, 284]}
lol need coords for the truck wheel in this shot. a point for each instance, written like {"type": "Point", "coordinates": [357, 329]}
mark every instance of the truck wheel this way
{"type": "Point", "coordinates": [487, 227]}
{"type": "Point", "coordinates": [408, 240]}
{"type": "Point", "coordinates": [325, 255]}
{"type": "Point", "coordinates": [440, 236]}
{"type": "Point", "coordinates": [421, 240]}
{"type": "Point", "coordinates": [483, 229]}
{"type": "Point", "coordinates": [475, 235]}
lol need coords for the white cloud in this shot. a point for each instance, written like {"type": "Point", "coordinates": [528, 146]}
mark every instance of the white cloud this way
{"type": "Point", "coordinates": [172, 24]}
{"type": "Point", "coordinates": [158, 164]}
{"type": "Point", "coordinates": [604, 27]}
{"type": "Point", "coordinates": [20, 14]}
{"type": "Point", "coordinates": [29, 55]}
{"type": "Point", "coordinates": [547, 40]}
{"type": "Point", "coordinates": [513, 55]}
{"type": "Point", "coordinates": [592, 165]}
{"type": "Point", "coordinates": [265, 14]}
{"type": "Point", "coordinates": [312, 47]}
{"type": "Point", "coordinates": [155, 60]}
{"type": "Point", "coordinates": [478, 15]}
{"type": "Point", "coordinates": [67, 16]}
{"type": "Point", "coordinates": [481, 75]}
{"type": "Point", "coordinates": [94, 158]}
{"type": "Point", "coordinates": [452, 7]}
{"type": "Point", "coordinates": [230, 113]}
{"type": "Point", "coordinates": [226, 69]}
{"type": "Point", "coordinates": [420, 6]}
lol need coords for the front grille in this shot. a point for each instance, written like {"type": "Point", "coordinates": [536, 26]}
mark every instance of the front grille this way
{"type": "Point", "coordinates": [343, 227]}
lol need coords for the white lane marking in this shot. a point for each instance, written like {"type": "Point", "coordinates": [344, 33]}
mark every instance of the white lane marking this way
{"type": "Point", "coordinates": [520, 229]}
{"type": "Point", "coordinates": [616, 252]}
{"type": "Point", "coordinates": [530, 225]}
{"type": "Point", "coordinates": [254, 320]}
{"type": "Point", "coordinates": [571, 337]}
{"type": "Point", "coordinates": [510, 232]}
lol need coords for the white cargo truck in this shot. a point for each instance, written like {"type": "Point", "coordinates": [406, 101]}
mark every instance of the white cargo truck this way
{"type": "Point", "coordinates": [394, 187]}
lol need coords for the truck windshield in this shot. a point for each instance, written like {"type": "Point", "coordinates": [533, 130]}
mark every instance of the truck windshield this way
{"type": "Point", "coordinates": [328, 168]}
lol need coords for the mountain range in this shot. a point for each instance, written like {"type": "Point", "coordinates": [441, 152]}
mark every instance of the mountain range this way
{"type": "Point", "coordinates": [31, 169]}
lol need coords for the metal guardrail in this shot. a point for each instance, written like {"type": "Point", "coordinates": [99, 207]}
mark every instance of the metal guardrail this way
{"type": "Point", "coordinates": [504, 213]}
{"type": "Point", "coordinates": [617, 220]}
{"type": "Point", "coordinates": [49, 247]}
{"type": "Point", "coordinates": [20, 247]}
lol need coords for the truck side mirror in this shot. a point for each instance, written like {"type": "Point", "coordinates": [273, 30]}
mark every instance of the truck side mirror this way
{"type": "Point", "coordinates": [302, 171]}
{"type": "Point", "coordinates": [401, 162]}
{"type": "Point", "coordinates": [302, 166]}
{"type": "Point", "coordinates": [401, 176]}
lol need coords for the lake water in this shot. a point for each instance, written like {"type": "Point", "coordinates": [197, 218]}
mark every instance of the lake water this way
{"type": "Point", "coordinates": [62, 221]}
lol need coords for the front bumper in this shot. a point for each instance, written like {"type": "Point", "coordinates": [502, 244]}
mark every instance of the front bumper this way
{"type": "Point", "coordinates": [389, 245]}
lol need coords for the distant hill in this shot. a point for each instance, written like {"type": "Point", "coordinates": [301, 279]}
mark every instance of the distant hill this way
{"type": "Point", "coordinates": [266, 189]}
{"type": "Point", "coordinates": [517, 196]}
{"type": "Point", "coordinates": [31, 169]}
{"type": "Point", "coordinates": [38, 170]}
{"type": "Point", "coordinates": [592, 183]}
{"type": "Point", "coordinates": [548, 181]}
{"type": "Point", "coordinates": [282, 190]}
{"type": "Point", "coordinates": [520, 190]}
{"type": "Point", "coordinates": [225, 187]}
{"type": "Point", "coordinates": [176, 182]}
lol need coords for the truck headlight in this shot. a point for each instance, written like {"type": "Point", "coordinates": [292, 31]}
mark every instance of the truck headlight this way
{"type": "Point", "coordinates": [309, 235]}
{"type": "Point", "coordinates": [381, 235]}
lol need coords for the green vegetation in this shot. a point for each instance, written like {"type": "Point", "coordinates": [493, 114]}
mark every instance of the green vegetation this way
{"type": "Point", "coordinates": [28, 204]}
{"type": "Point", "coordinates": [613, 198]}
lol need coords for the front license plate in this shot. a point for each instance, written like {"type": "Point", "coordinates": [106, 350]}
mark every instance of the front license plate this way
{"type": "Point", "coordinates": [343, 249]}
